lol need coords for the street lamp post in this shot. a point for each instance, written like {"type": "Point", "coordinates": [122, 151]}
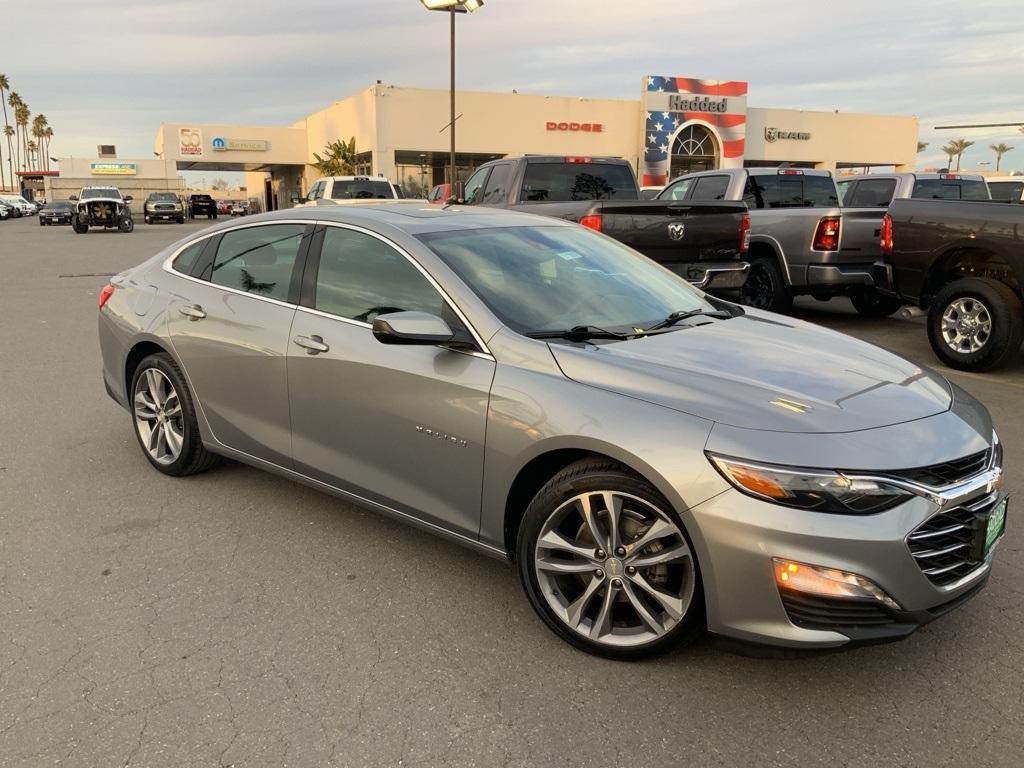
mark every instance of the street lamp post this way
{"type": "Point", "coordinates": [452, 7]}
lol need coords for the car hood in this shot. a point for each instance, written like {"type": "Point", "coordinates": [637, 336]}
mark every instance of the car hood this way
{"type": "Point", "coordinates": [763, 371]}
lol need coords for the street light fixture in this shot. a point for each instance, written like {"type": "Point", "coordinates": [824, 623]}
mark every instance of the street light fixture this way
{"type": "Point", "coordinates": [452, 7]}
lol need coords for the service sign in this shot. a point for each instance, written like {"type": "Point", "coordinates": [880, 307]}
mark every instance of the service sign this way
{"type": "Point", "coordinates": [113, 169]}
{"type": "Point", "coordinates": [190, 142]}
{"type": "Point", "coordinates": [220, 144]}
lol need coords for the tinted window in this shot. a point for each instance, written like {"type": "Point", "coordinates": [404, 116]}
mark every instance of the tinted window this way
{"type": "Point", "coordinates": [476, 181]}
{"type": "Point", "coordinates": [872, 193]}
{"type": "Point", "coordinates": [559, 182]}
{"type": "Point", "coordinates": [89, 194]}
{"type": "Point", "coordinates": [1006, 191]}
{"type": "Point", "coordinates": [361, 189]}
{"type": "Point", "coordinates": [710, 188]}
{"type": "Point", "coordinates": [789, 191]}
{"type": "Point", "coordinates": [844, 190]}
{"type": "Point", "coordinates": [951, 189]}
{"type": "Point", "coordinates": [361, 277]}
{"type": "Point", "coordinates": [56, 206]}
{"type": "Point", "coordinates": [677, 191]}
{"type": "Point", "coordinates": [185, 260]}
{"type": "Point", "coordinates": [163, 197]}
{"type": "Point", "coordinates": [497, 185]}
{"type": "Point", "coordinates": [258, 259]}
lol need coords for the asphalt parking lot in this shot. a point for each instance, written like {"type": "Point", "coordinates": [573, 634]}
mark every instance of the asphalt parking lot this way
{"type": "Point", "coordinates": [234, 618]}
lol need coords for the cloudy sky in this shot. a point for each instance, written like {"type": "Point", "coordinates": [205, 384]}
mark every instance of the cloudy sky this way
{"type": "Point", "coordinates": [111, 72]}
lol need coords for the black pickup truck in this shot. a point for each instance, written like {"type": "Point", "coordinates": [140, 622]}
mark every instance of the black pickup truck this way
{"type": "Point", "coordinates": [202, 205]}
{"type": "Point", "coordinates": [962, 261]}
{"type": "Point", "coordinates": [702, 241]}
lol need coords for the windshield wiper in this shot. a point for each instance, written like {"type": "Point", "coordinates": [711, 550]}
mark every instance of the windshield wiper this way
{"type": "Point", "coordinates": [681, 315]}
{"type": "Point", "coordinates": [578, 333]}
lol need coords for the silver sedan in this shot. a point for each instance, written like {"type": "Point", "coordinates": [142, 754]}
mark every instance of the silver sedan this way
{"type": "Point", "coordinates": [656, 461]}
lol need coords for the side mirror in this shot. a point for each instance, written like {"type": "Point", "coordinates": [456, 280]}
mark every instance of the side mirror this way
{"type": "Point", "coordinates": [128, 198]}
{"type": "Point", "coordinates": [458, 194]}
{"type": "Point", "coordinates": [411, 328]}
{"type": "Point", "coordinates": [73, 197]}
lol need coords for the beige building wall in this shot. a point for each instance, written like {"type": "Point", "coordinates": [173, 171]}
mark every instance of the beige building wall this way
{"type": "Point", "coordinates": [151, 175]}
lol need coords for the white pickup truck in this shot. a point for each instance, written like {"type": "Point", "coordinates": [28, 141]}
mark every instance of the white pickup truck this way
{"type": "Point", "coordinates": [335, 190]}
{"type": "Point", "coordinates": [801, 240]}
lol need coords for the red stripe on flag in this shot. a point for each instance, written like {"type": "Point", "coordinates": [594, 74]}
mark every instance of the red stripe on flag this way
{"type": "Point", "coordinates": [732, 148]}
{"type": "Point", "coordinates": [650, 180]}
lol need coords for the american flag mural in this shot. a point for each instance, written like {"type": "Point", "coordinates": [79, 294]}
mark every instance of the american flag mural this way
{"type": "Point", "coordinates": [670, 103]}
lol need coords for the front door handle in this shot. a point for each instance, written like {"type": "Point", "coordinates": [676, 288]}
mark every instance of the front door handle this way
{"type": "Point", "coordinates": [313, 345]}
{"type": "Point", "coordinates": [192, 312]}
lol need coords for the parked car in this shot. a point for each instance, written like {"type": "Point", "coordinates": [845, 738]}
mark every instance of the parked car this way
{"type": "Point", "coordinates": [551, 185]}
{"type": "Point", "coordinates": [163, 206]}
{"type": "Point", "coordinates": [58, 212]}
{"type": "Point", "coordinates": [202, 205]}
{"type": "Point", "coordinates": [20, 204]}
{"type": "Point", "coordinates": [8, 211]}
{"type": "Point", "coordinates": [963, 261]}
{"type": "Point", "coordinates": [224, 207]}
{"type": "Point", "coordinates": [1007, 189]}
{"type": "Point", "coordinates": [654, 460]}
{"type": "Point", "coordinates": [649, 193]}
{"type": "Point", "coordinates": [801, 241]}
{"type": "Point", "coordinates": [877, 190]}
{"type": "Point", "coordinates": [102, 207]}
{"type": "Point", "coordinates": [239, 208]}
{"type": "Point", "coordinates": [439, 194]}
{"type": "Point", "coordinates": [344, 189]}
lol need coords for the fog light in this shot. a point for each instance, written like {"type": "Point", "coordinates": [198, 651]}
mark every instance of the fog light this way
{"type": "Point", "coordinates": [828, 582]}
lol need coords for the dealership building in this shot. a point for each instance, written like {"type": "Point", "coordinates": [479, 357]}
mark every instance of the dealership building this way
{"type": "Point", "coordinates": [677, 125]}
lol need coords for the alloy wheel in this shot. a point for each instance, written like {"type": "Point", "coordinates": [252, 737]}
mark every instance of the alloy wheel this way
{"type": "Point", "coordinates": [966, 325]}
{"type": "Point", "coordinates": [158, 416]}
{"type": "Point", "coordinates": [757, 290]}
{"type": "Point", "coordinates": [614, 568]}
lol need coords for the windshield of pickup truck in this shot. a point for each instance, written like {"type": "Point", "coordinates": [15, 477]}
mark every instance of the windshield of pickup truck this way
{"type": "Point", "coordinates": [100, 192]}
{"type": "Point", "coordinates": [771, 190]}
{"type": "Point", "coordinates": [546, 278]}
{"type": "Point", "coordinates": [950, 189]}
{"type": "Point", "coordinates": [362, 189]}
{"type": "Point", "coordinates": [561, 182]}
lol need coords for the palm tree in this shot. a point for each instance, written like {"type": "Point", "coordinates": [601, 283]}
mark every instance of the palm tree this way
{"type": "Point", "coordinates": [21, 116]}
{"type": "Point", "coordinates": [339, 158]}
{"type": "Point", "coordinates": [5, 85]}
{"type": "Point", "coordinates": [950, 152]}
{"type": "Point", "coordinates": [1000, 150]}
{"type": "Point", "coordinates": [961, 146]}
{"type": "Point", "coordinates": [48, 135]}
{"type": "Point", "coordinates": [922, 146]}
{"type": "Point", "coordinates": [39, 124]}
{"type": "Point", "coordinates": [31, 148]}
{"type": "Point", "coordinates": [14, 100]}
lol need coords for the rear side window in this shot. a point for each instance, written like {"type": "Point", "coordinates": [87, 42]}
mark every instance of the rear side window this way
{"type": "Point", "coordinates": [497, 185]}
{"type": "Point", "coordinates": [677, 191]}
{"type": "Point", "coordinates": [361, 277]}
{"type": "Point", "coordinates": [561, 182]}
{"type": "Point", "coordinates": [185, 260]}
{"type": "Point", "coordinates": [950, 189]}
{"type": "Point", "coordinates": [1006, 191]}
{"type": "Point", "coordinates": [258, 260]}
{"type": "Point", "coordinates": [872, 193]}
{"type": "Point", "coordinates": [790, 191]}
{"type": "Point", "coordinates": [709, 188]}
{"type": "Point", "coordinates": [362, 189]}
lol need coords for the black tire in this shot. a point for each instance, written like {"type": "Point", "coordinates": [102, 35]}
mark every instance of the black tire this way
{"type": "Point", "coordinates": [593, 475]}
{"type": "Point", "coordinates": [126, 225]}
{"type": "Point", "coordinates": [765, 287]}
{"type": "Point", "coordinates": [871, 303]}
{"type": "Point", "coordinates": [181, 220]}
{"type": "Point", "coordinates": [148, 219]}
{"type": "Point", "coordinates": [194, 456]}
{"type": "Point", "coordinates": [1005, 318]}
{"type": "Point", "coordinates": [78, 226]}
{"type": "Point", "coordinates": [42, 223]}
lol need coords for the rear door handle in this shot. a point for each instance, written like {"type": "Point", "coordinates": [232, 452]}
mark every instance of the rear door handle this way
{"type": "Point", "coordinates": [313, 345]}
{"type": "Point", "coordinates": [192, 312]}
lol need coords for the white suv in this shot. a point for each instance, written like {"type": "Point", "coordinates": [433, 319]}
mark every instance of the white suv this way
{"type": "Point", "coordinates": [1007, 189]}
{"type": "Point", "coordinates": [334, 190]}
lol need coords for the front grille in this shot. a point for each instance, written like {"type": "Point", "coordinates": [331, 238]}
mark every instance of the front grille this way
{"type": "Point", "coordinates": [942, 545]}
{"type": "Point", "coordinates": [948, 472]}
{"type": "Point", "coordinates": [817, 612]}
{"type": "Point", "coordinates": [165, 206]}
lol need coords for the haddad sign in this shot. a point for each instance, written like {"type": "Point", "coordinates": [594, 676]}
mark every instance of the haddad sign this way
{"type": "Point", "coordinates": [774, 134]}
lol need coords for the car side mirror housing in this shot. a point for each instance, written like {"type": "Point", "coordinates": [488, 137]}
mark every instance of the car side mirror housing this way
{"type": "Point", "coordinates": [73, 197]}
{"type": "Point", "coordinates": [421, 328]}
{"type": "Point", "coordinates": [128, 198]}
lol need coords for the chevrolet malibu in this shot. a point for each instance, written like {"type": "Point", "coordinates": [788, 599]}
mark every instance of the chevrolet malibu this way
{"type": "Point", "coordinates": [655, 461]}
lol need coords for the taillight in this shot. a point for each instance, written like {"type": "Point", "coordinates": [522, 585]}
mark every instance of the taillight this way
{"type": "Point", "coordinates": [105, 294]}
{"type": "Point", "coordinates": [826, 236]}
{"type": "Point", "coordinates": [579, 160]}
{"type": "Point", "coordinates": [592, 221]}
{"type": "Point", "coordinates": [790, 172]}
{"type": "Point", "coordinates": [886, 242]}
{"type": "Point", "coordinates": [745, 233]}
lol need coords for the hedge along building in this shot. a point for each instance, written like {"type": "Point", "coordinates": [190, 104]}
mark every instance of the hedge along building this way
{"type": "Point", "coordinates": [677, 125]}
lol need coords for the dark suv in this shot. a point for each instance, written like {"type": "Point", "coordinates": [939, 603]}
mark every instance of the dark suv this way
{"type": "Point", "coordinates": [203, 205]}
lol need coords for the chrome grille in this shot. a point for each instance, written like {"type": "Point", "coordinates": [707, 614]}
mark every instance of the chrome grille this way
{"type": "Point", "coordinates": [942, 545]}
{"type": "Point", "coordinates": [948, 472]}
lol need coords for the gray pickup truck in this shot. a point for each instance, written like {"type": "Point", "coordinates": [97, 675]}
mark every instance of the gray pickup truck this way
{"type": "Point", "coordinates": [963, 261]}
{"type": "Point", "coordinates": [877, 190]}
{"type": "Point", "coordinates": [801, 240]}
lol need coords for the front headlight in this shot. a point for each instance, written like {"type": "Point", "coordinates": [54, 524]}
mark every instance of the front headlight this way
{"type": "Point", "coordinates": [816, 490]}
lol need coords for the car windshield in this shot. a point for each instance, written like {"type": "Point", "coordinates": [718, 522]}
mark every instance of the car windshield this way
{"type": "Point", "coordinates": [361, 189]}
{"type": "Point", "coordinates": [56, 206]}
{"type": "Point", "coordinates": [96, 192]}
{"type": "Point", "coordinates": [163, 197]}
{"type": "Point", "coordinates": [550, 278]}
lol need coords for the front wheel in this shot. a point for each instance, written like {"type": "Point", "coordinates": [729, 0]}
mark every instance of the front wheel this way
{"type": "Point", "coordinates": [126, 225]}
{"type": "Point", "coordinates": [148, 219]}
{"type": "Point", "coordinates": [976, 324]}
{"type": "Point", "coordinates": [765, 287]}
{"type": "Point", "coordinates": [873, 304]}
{"type": "Point", "coordinates": [79, 226]}
{"type": "Point", "coordinates": [607, 564]}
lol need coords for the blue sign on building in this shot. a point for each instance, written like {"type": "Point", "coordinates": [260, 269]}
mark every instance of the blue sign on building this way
{"type": "Point", "coordinates": [219, 143]}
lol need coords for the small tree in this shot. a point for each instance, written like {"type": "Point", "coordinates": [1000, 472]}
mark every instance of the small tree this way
{"type": "Point", "coordinates": [1000, 150]}
{"type": "Point", "coordinates": [950, 152]}
{"type": "Point", "coordinates": [339, 158]}
{"type": "Point", "coordinates": [922, 146]}
{"type": "Point", "coordinates": [961, 146]}
{"type": "Point", "coordinates": [220, 184]}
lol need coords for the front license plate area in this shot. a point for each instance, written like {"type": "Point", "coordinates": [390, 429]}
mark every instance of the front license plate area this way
{"type": "Point", "coordinates": [989, 527]}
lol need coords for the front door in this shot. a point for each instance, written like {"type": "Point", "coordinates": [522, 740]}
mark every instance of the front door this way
{"type": "Point", "coordinates": [229, 327]}
{"type": "Point", "coordinates": [402, 426]}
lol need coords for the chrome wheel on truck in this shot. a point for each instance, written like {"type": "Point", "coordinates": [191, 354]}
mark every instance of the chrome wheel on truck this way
{"type": "Point", "coordinates": [976, 324]}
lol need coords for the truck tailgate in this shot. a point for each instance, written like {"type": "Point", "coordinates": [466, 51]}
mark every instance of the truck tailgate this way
{"type": "Point", "coordinates": [859, 240]}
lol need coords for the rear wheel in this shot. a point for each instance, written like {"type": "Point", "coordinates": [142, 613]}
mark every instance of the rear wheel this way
{"type": "Point", "coordinates": [871, 303]}
{"type": "Point", "coordinates": [164, 418]}
{"type": "Point", "coordinates": [765, 287]}
{"type": "Point", "coordinates": [976, 324]}
{"type": "Point", "coordinates": [607, 565]}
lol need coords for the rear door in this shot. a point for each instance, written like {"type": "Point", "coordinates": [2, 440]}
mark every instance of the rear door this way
{"type": "Point", "coordinates": [401, 426]}
{"type": "Point", "coordinates": [229, 322]}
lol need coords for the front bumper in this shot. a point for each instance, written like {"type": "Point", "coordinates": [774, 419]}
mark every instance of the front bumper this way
{"type": "Point", "coordinates": [737, 536]}
{"type": "Point", "coordinates": [165, 215]}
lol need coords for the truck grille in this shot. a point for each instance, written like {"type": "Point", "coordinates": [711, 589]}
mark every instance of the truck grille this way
{"type": "Point", "coordinates": [165, 206]}
{"type": "Point", "coordinates": [948, 472]}
{"type": "Point", "coordinates": [942, 545]}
